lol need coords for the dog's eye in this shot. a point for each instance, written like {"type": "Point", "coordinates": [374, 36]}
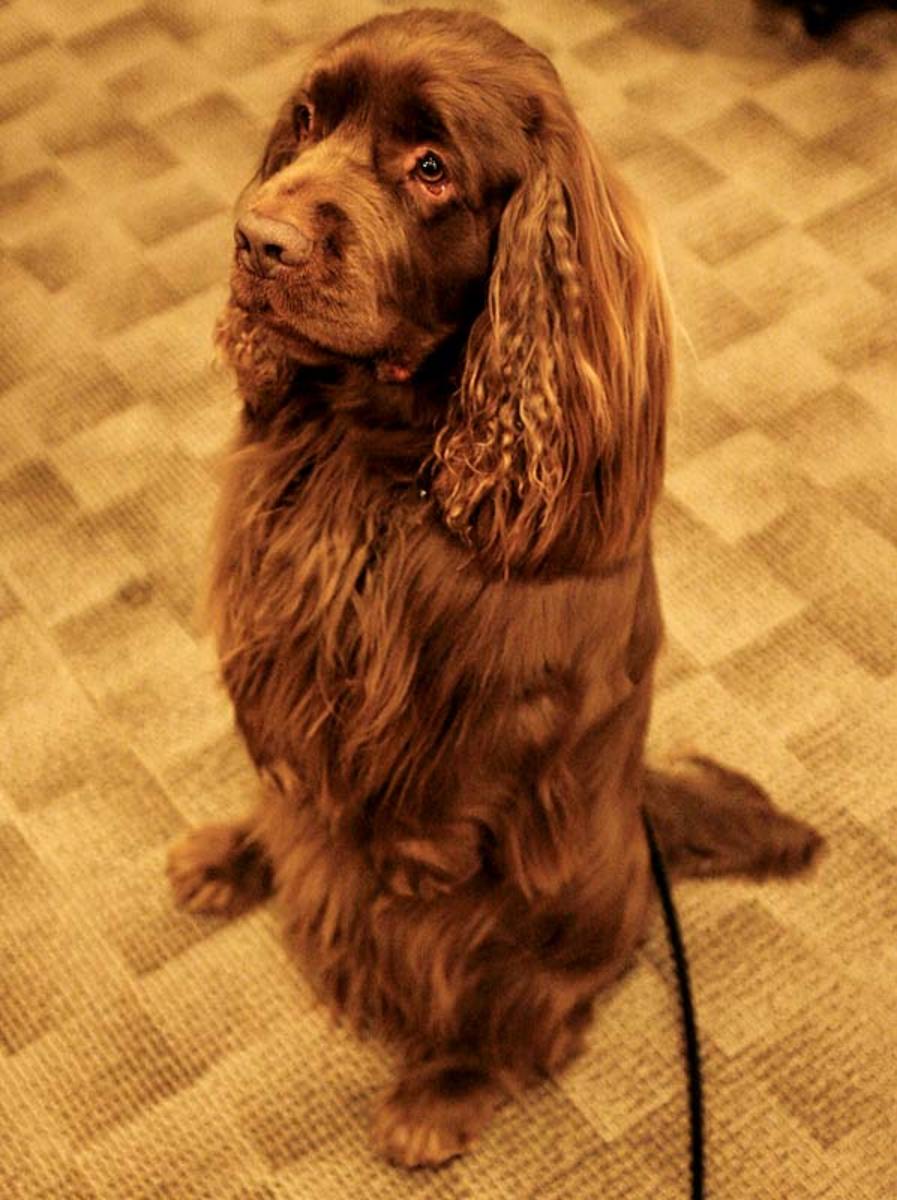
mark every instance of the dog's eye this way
{"type": "Point", "coordinates": [430, 168]}
{"type": "Point", "coordinates": [277, 159]}
{"type": "Point", "coordinates": [301, 120]}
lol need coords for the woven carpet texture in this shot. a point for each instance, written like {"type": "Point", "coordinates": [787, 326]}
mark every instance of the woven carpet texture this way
{"type": "Point", "coordinates": [147, 1054]}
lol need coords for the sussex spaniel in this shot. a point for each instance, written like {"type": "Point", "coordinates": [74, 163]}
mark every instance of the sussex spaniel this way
{"type": "Point", "coordinates": [432, 586]}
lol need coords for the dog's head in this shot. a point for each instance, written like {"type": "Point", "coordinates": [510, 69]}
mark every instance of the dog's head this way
{"type": "Point", "coordinates": [429, 181]}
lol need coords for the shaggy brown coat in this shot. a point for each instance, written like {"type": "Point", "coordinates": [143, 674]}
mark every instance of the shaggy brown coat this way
{"type": "Point", "coordinates": [432, 589]}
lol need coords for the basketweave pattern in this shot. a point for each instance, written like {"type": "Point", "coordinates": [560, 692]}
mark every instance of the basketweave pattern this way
{"type": "Point", "coordinates": [146, 1054]}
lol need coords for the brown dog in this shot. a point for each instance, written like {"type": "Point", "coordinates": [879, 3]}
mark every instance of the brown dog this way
{"type": "Point", "coordinates": [433, 591]}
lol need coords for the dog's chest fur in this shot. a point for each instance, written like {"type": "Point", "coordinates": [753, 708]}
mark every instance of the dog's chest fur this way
{"type": "Point", "coordinates": [350, 627]}
{"type": "Point", "coordinates": [303, 618]}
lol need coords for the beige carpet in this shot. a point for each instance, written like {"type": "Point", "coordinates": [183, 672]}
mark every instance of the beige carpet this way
{"type": "Point", "coordinates": [146, 1054]}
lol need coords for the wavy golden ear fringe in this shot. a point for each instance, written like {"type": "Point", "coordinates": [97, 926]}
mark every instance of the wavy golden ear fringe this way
{"type": "Point", "coordinates": [554, 445]}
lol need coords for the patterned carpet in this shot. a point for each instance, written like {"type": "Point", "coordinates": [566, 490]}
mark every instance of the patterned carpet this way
{"type": "Point", "coordinates": [145, 1054]}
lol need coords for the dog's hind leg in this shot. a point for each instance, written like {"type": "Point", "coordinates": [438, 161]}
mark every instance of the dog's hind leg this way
{"type": "Point", "coordinates": [710, 820]}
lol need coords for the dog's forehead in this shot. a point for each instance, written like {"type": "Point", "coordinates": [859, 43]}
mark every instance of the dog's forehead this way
{"type": "Point", "coordinates": [402, 97]}
{"type": "Point", "coordinates": [399, 96]}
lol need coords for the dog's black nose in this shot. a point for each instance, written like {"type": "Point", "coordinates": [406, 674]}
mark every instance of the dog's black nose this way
{"type": "Point", "coordinates": [266, 244]}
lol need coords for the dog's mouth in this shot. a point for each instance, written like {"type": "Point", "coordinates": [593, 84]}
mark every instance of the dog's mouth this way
{"type": "Point", "coordinates": [296, 340]}
{"type": "Point", "coordinates": [318, 328]}
{"type": "Point", "coordinates": [299, 331]}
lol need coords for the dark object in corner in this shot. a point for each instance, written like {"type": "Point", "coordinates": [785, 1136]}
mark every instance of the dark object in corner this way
{"type": "Point", "coordinates": [822, 17]}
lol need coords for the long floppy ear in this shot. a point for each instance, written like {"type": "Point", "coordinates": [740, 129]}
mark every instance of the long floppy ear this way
{"type": "Point", "coordinates": [553, 450]}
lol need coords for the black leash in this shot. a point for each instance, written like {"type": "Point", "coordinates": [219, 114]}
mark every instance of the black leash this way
{"type": "Point", "coordinates": [689, 1027]}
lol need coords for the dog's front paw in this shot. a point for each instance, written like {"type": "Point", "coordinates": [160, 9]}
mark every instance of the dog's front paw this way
{"type": "Point", "coordinates": [433, 1114]}
{"type": "Point", "coordinates": [218, 869]}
